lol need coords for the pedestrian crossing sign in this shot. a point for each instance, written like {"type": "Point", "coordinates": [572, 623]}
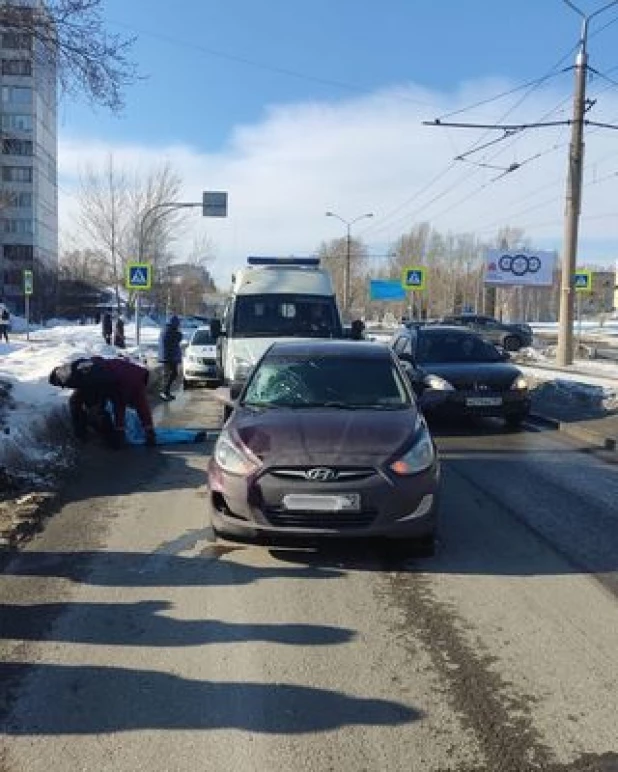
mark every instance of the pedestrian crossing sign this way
{"type": "Point", "coordinates": [139, 276]}
{"type": "Point", "coordinates": [582, 281]}
{"type": "Point", "coordinates": [413, 278]}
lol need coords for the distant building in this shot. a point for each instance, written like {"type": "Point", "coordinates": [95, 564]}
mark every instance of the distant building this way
{"type": "Point", "coordinates": [28, 165]}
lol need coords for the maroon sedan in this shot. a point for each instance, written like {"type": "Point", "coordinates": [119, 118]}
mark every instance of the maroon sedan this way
{"type": "Point", "coordinates": [325, 439]}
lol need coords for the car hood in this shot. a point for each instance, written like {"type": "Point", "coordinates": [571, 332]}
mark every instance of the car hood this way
{"type": "Point", "coordinates": [315, 436]}
{"type": "Point", "coordinates": [201, 351]}
{"type": "Point", "coordinates": [464, 373]}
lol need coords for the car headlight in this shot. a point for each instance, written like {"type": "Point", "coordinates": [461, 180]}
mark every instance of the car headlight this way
{"type": "Point", "coordinates": [520, 383]}
{"type": "Point", "coordinates": [232, 458]}
{"type": "Point", "coordinates": [419, 457]}
{"type": "Point", "coordinates": [437, 383]}
{"type": "Point", "coordinates": [241, 368]}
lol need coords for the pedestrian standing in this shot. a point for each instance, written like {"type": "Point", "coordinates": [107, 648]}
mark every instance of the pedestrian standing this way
{"type": "Point", "coordinates": [5, 320]}
{"type": "Point", "coordinates": [119, 340]}
{"type": "Point", "coordinates": [106, 326]}
{"type": "Point", "coordinates": [170, 355]}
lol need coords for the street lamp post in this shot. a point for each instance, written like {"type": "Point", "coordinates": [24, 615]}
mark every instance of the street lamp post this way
{"type": "Point", "coordinates": [348, 243]}
{"type": "Point", "coordinates": [574, 190]}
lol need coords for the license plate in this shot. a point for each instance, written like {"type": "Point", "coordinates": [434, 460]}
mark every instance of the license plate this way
{"type": "Point", "coordinates": [341, 502]}
{"type": "Point", "coordinates": [483, 401]}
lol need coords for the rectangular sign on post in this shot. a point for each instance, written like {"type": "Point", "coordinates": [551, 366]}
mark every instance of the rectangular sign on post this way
{"type": "Point", "coordinates": [139, 276]}
{"type": "Point", "coordinates": [28, 283]}
{"type": "Point", "coordinates": [386, 289]}
{"type": "Point", "coordinates": [413, 278]}
{"type": "Point", "coordinates": [214, 203]}
{"type": "Point", "coordinates": [582, 281]}
{"type": "Point", "coordinates": [519, 268]}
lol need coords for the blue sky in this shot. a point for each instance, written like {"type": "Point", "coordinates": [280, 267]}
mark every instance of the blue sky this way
{"type": "Point", "coordinates": [247, 85]}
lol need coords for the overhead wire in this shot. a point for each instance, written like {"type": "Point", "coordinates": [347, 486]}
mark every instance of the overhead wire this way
{"type": "Point", "coordinates": [385, 223]}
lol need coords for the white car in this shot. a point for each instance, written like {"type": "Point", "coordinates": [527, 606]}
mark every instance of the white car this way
{"type": "Point", "coordinates": [199, 363]}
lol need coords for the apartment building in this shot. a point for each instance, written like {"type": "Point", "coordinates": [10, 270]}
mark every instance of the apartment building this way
{"type": "Point", "coordinates": [28, 167]}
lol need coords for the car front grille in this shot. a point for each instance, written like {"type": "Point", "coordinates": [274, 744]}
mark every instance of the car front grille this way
{"type": "Point", "coordinates": [341, 475]}
{"type": "Point", "coordinates": [336, 521]}
{"type": "Point", "coordinates": [481, 389]}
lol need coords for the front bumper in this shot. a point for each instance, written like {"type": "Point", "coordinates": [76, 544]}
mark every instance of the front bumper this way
{"type": "Point", "coordinates": [198, 371]}
{"type": "Point", "coordinates": [391, 506]}
{"type": "Point", "coordinates": [458, 403]}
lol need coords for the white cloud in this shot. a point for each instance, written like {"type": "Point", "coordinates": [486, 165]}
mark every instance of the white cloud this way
{"type": "Point", "coordinates": [374, 154]}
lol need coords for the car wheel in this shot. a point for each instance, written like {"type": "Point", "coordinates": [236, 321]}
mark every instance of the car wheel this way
{"type": "Point", "coordinates": [186, 385]}
{"type": "Point", "coordinates": [512, 343]}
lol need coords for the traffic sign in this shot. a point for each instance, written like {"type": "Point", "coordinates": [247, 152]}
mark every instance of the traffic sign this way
{"type": "Point", "coordinates": [28, 283]}
{"type": "Point", "coordinates": [582, 280]}
{"type": "Point", "coordinates": [139, 276]}
{"type": "Point", "coordinates": [214, 203]}
{"type": "Point", "coordinates": [413, 278]}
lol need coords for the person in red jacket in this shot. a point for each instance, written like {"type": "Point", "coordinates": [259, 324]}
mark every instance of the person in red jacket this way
{"type": "Point", "coordinates": [96, 381]}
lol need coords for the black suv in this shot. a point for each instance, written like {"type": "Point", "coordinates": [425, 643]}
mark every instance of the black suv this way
{"type": "Point", "coordinates": [511, 337]}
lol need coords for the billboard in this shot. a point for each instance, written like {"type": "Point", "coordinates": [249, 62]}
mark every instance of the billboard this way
{"type": "Point", "coordinates": [386, 289]}
{"type": "Point", "coordinates": [524, 268]}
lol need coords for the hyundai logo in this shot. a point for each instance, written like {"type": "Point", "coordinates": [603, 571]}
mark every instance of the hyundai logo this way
{"type": "Point", "coordinates": [321, 474]}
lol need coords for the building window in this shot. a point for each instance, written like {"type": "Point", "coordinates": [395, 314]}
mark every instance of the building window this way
{"type": "Point", "coordinates": [16, 122]}
{"type": "Point", "coordinates": [21, 227]}
{"type": "Point", "coordinates": [17, 174]}
{"type": "Point", "coordinates": [16, 40]}
{"type": "Point", "coordinates": [17, 67]}
{"type": "Point", "coordinates": [17, 146]}
{"type": "Point", "coordinates": [21, 199]}
{"type": "Point", "coordinates": [17, 95]}
{"type": "Point", "coordinates": [18, 252]}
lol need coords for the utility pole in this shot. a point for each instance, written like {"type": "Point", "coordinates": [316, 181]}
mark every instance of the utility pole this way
{"type": "Point", "coordinates": [348, 250]}
{"type": "Point", "coordinates": [574, 192]}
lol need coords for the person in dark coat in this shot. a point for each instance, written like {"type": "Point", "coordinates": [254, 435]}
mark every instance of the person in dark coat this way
{"type": "Point", "coordinates": [358, 330]}
{"type": "Point", "coordinates": [170, 355]}
{"type": "Point", "coordinates": [119, 340]}
{"type": "Point", "coordinates": [106, 327]}
{"type": "Point", "coordinates": [97, 381]}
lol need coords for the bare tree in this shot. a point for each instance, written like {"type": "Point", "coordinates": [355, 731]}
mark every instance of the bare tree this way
{"type": "Point", "coordinates": [86, 265]}
{"type": "Point", "coordinates": [70, 36]}
{"type": "Point", "coordinates": [113, 206]}
{"type": "Point", "coordinates": [103, 212]}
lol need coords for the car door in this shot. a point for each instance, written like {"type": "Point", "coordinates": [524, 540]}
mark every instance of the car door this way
{"type": "Point", "coordinates": [490, 329]}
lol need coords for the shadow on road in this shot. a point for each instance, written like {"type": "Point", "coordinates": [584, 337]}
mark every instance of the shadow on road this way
{"type": "Point", "coordinates": [145, 569]}
{"type": "Point", "coordinates": [145, 624]}
{"type": "Point", "coordinates": [94, 700]}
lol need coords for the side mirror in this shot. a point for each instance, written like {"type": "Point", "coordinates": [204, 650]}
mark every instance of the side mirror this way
{"type": "Point", "coordinates": [415, 376]}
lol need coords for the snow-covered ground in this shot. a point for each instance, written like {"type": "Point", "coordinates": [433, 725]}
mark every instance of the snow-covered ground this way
{"type": "Point", "coordinates": [28, 404]}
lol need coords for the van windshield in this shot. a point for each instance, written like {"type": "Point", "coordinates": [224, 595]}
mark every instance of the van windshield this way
{"type": "Point", "coordinates": [274, 315]}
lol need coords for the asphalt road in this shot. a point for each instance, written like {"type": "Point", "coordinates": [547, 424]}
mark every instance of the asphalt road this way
{"type": "Point", "coordinates": [131, 641]}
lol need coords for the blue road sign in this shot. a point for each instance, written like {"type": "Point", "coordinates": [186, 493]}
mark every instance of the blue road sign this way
{"type": "Point", "coordinates": [386, 289]}
{"type": "Point", "coordinates": [139, 276]}
{"type": "Point", "coordinates": [413, 278]}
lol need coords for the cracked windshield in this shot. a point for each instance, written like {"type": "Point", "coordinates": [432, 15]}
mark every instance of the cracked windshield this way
{"type": "Point", "coordinates": [308, 386]}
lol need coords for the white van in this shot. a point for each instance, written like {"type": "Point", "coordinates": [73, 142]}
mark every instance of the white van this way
{"type": "Point", "coordinates": [274, 299]}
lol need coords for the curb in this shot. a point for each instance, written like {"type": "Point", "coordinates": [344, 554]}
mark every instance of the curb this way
{"type": "Point", "coordinates": [572, 429]}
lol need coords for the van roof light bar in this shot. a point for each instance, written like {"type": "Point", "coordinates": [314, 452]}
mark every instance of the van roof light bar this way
{"type": "Point", "coordinates": [299, 261]}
